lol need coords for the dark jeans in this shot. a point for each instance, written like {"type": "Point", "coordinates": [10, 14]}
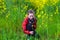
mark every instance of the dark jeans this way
{"type": "Point", "coordinates": [35, 35]}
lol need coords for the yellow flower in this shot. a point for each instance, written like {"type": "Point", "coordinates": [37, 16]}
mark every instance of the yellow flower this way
{"type": "Point", "coordinates": [54, 1]}
{"type": "Point", "coordinates": [39, 16]}
{"type": "Point", "coordinates": [3, 3]}
{"type": "Point", "coordinates": [44, 1]}
{"type": "Point", "coordinates": [42, 12]}
{"type": "Point", "coordinates": [56, 9]}
{"type": "Point", "coordinates": [4, 8]}
{"type": "Point", "coordinates": [31, 0]}
{"type": "Point", "coordinates": [0, 0]}
{"type": "Point", "coordinates": [26, 0]}
{"type": "Point", "coordinates": [41, 6]}
{"type": "Point", "coordinates": [37, 3]}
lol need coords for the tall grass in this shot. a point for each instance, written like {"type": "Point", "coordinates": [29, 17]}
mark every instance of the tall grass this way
{"type": "Point", "coordinates": [13, 12]}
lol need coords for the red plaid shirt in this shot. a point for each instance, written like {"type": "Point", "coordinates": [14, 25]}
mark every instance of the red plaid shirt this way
{"type": "Point", "coordinates": [25, 22]}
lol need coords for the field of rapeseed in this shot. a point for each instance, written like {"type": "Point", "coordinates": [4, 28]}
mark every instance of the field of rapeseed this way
{"type": "Point", "coordinates": [13, 12]}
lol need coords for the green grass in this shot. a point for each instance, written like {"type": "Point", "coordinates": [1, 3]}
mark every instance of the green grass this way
{"type": "Point", "coordinates": [12, 13]}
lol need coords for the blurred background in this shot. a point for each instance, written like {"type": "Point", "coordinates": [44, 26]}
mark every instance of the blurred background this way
{"type": "Point", "coordinates": [13, 12]}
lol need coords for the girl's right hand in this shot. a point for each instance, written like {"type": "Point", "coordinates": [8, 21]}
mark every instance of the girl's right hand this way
{"type": "Point", "coordinates": [31, 32]}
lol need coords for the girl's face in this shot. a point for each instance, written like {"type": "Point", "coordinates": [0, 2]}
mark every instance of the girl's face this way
{"type": "Point", "coordinates": [30, 15]}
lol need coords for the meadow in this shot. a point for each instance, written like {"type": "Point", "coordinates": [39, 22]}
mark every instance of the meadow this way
{"type": "Point", "coordinates": [13, 12]}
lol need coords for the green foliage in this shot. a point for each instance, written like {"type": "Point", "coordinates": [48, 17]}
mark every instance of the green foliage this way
{"type": "Point", "coordinates": [13, 12]}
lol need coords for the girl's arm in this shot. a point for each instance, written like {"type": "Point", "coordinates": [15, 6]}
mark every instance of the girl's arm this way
{"type": "Point", "coordinates": [24, 26]}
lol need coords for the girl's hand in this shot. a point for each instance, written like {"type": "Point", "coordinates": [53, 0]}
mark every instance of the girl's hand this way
{"type": "Point", "coordinates": [31, 32]}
